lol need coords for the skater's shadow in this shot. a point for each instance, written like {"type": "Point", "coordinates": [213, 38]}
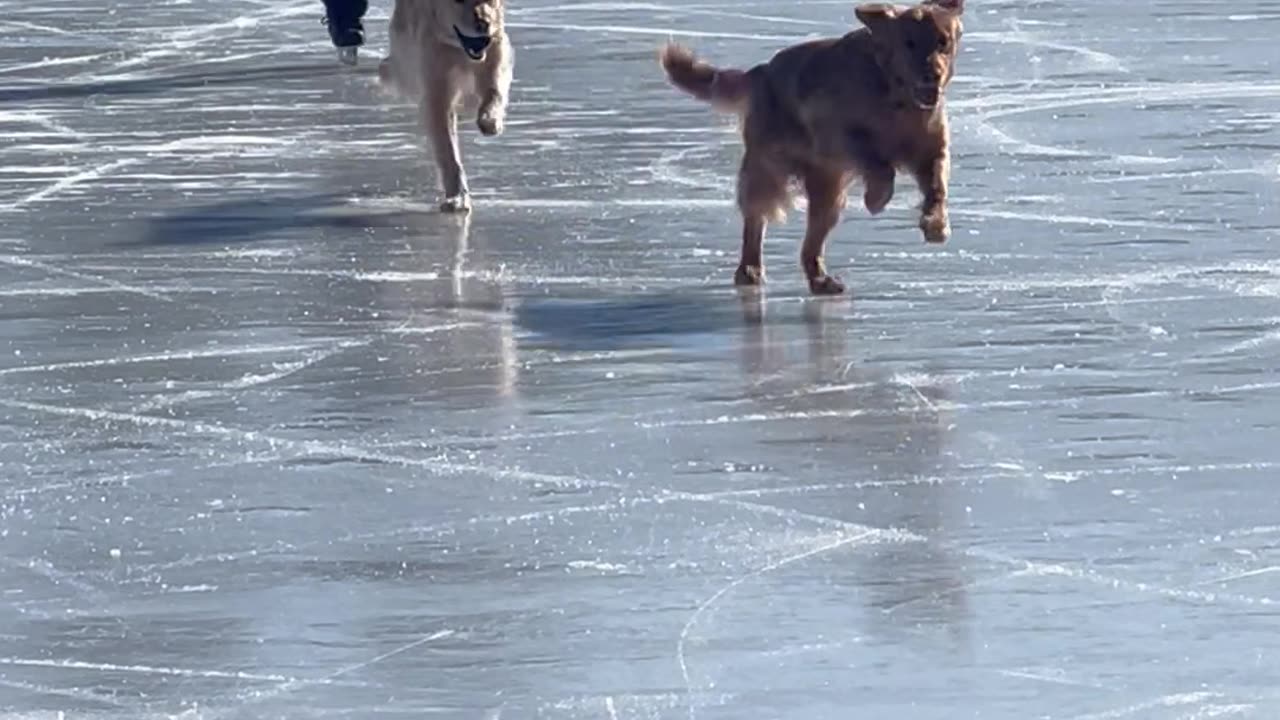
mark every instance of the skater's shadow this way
{"type": "Point", "coordinates": [162, 84]}
{"type": "Point", "coordinates": [256, 219]}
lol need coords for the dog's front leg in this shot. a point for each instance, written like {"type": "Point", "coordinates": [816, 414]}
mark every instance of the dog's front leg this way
{"type": "Point", "coordinates": [877, 173]}
{"type": "Point", "coordinates": [932, 174]}
{"type": "Point", "coordinates": [439, 116]}
{"type": "Point", "coordinates": [494, 87]}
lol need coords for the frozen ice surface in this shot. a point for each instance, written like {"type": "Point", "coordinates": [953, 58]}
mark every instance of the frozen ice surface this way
{"type": "Point", "coordinates": [276, 440]}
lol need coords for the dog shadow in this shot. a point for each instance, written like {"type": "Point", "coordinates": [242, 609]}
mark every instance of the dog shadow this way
{"type": "Point", "coordinates": [649, 319]}
{"type": "Point", "coordinates": [163, 84]}
{"type": "Point", "coordinates": [262, 218]}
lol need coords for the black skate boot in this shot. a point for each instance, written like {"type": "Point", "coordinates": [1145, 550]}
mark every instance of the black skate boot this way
{"type": "Point", "coordinates": [346, 29]}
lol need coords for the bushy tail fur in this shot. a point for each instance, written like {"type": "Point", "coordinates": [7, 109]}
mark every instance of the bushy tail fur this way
{"type": "Point", "coordinates": [726, 90]}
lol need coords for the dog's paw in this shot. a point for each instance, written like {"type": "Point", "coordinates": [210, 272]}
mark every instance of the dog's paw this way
{"type": "Point", "coordinates": [456, 204]}
{"type": "Point", "coordinates": [936, 228]}
{"type": "Point", "coordinates": [490, 123]}
{"type": "Point", "coordinates": [825, 285]}
{"type": "Point", "coordinates": [748, 276]}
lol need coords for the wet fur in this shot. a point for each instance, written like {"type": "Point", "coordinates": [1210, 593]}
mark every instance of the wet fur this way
{"type": "Point", "coordinates": [428, 66]}
{"type": "Point", "coordinates": [830, 111]}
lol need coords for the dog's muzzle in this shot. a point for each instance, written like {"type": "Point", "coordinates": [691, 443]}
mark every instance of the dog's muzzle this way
{"type": "Point", "coordinates": [473, 45]}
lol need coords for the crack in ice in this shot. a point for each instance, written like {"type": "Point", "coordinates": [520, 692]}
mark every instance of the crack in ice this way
{"type": "Point", "coordinates": [709, 602]}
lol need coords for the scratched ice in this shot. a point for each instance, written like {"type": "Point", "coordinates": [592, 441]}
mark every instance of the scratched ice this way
{"type": "Point", "coordinates": [278, 441]}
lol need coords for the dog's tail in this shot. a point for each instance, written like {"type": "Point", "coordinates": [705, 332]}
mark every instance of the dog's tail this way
{"type": "Point", "coordinates": [726, 90]}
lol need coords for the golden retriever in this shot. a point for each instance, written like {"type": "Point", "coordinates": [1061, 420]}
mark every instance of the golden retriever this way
{"type": "Point", "coordinates": [824, 112]}
{"type": "Point", "coordinates": [444, 53]}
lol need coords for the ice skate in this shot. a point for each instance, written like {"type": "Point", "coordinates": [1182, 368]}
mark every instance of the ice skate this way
{"type": "Point", "coordinates": [346, 28]}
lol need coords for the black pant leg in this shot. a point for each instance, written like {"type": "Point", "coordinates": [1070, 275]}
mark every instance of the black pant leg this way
{"type": "Point", "coordinates": [345, 18]}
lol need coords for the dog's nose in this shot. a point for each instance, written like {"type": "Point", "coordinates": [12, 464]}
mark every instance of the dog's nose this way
{"type": "Point", "coordinates": [482, 26]}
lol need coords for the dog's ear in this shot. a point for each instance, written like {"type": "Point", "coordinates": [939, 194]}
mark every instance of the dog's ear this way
{"type": "Point", "coordinates": [875, 15]}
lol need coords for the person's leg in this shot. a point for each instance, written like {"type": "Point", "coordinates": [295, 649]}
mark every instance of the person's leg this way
{"type": "Point", "coordinates": [346, 27]}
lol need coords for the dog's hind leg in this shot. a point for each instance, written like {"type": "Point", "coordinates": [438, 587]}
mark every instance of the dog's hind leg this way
{"type": "Point", "coordinates": [494, 87]}
{"type": "Point", "coordinates": [440, 119]}
{"type": "Point", "coordinates": [825, 190]}
{"type": "Point", "coordinates": [762, 192]}
{"type": "Point", "coordinates": [751, 263]}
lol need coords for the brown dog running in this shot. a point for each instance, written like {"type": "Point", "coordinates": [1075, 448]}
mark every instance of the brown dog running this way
{"type": "Point", "coordinates": [827, 111]}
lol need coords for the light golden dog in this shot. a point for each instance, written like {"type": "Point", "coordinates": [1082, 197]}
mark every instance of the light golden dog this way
{"type": "Point", "coordinates": [827, 111]}
{"type": "Point", "coordinates": [445, 53]}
